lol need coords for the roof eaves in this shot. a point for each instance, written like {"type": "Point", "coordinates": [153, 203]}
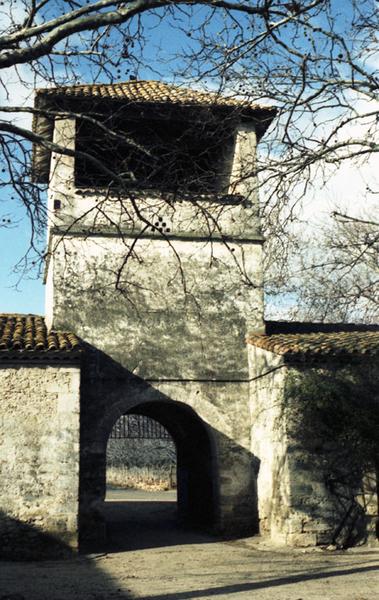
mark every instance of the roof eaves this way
{"type": "Point", "coordinates": [322, 353]}
{"type": "Point", "coordinates": [8, 357]}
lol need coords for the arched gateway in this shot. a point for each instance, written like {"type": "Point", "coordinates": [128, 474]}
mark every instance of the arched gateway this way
{"type": "Point", "coordinates": [209, 461]}
{"type": "Point", "coordinates": [197, 471]}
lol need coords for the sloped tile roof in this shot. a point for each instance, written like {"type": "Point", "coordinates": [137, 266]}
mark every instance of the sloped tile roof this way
{"type": "Point", "coordinates": [26, 336]}
{"type": "Point", "coordinates": [151, 92]}
{"type": "Point", "coordinates": [301, 340]}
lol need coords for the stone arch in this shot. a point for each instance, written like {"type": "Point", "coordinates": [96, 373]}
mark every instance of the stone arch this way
{"type": "Point", "coordinates": [195, 448]}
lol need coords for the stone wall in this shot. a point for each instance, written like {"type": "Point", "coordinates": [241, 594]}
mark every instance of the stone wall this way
{"type": "Point", "coordinates": [296, 506]}
{"type": "Point", "coordinates": [140, 453]}
{"type": "Point", "coordinates": [269, 442]}
{"type": "Point", "coordinates": [39, 460]}
{"type": "Point", "coordinates": [182, 310]}
{"type": "Point", "coordinates": [330, 405]}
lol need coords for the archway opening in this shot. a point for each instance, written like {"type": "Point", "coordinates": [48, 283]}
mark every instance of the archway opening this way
{"type": "Point", "coordinates": [165, 462]}
{"type": "Point", "coordinates": [141, 456]}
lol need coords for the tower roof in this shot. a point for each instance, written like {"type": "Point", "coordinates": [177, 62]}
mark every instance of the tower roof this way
{"type": "Point", "coordinates": [144, 94]}
{"type": "Point", "coordinates": [151, 92]}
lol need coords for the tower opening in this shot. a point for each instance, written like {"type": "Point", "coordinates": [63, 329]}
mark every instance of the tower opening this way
{"type": "Point", "coordinates": [155, 153]}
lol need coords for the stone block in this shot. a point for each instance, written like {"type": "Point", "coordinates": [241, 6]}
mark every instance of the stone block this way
{"type": "Point", "coordinates": [68, 402]}
{"type": "Point", "coordinates": [294, 524]}
{"type": "Point", "coordinates": [301, 540]}
{"type": "Point", "coordinates": [324, 538]}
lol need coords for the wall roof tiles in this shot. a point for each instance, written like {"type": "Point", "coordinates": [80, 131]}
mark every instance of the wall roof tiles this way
{"type": "Point", "coordinates": [317, 340]}
{"type": "Point", "coordinates": [26, 336]}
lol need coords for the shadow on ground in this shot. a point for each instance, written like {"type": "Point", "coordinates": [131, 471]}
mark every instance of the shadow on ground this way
{"type": "Point", "coordinates": [231, 590]}
{"type": "Point", "coordinates": [151, 558]}
{"type": "Point", "coordinates": [27, 571]}
{"type": "Point", "coordinates": [136, 524]}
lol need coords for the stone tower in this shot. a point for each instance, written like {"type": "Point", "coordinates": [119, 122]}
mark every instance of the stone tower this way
{"type": "Point", "coordinates": [166, 281]}
{"type": "Point", "coordinates": [162, 274]}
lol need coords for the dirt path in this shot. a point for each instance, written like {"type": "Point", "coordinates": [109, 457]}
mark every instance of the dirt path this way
{"type": "Point", "coordinates": [150, 558]}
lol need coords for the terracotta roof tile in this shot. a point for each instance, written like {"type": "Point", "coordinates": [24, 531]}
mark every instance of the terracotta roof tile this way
{"type": "Point", "coordinates": [26, 336]}
{"type": "Point", "coordinates": [150, 92]}
{"type": "Point", "coordinates": [343, 341]}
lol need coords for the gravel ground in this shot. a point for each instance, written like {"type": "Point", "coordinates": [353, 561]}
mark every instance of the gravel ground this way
{"type": "Point", "coordinates": [149, 558]}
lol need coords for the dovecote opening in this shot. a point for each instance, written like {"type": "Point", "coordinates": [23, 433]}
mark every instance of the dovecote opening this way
{"type": "Point", "coordinates": [151, 153]}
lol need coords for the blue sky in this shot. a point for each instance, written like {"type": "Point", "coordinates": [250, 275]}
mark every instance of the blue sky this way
{"type": "Point", "coordinates": [19, 292]}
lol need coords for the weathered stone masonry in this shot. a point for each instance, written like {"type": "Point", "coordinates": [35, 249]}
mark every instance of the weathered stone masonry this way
{"type": "Point", "coordinates": [39, 451]}
{"type": "Point", "coordinates": [165, 336]}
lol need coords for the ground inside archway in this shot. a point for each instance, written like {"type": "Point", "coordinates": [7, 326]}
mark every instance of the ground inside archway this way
{"type": "Point", "coordinates": [137, 519]}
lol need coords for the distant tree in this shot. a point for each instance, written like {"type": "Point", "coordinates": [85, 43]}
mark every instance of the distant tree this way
{"type": "Point", "coordinates": [341, 278]}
